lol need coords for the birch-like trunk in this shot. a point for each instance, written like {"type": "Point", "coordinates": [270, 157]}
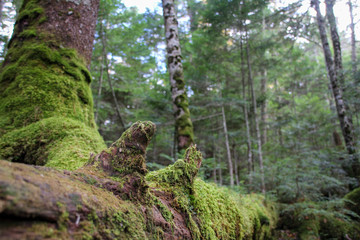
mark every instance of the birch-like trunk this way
{"type": "Point", "coordinates": [257, 129]}
{"type": "Point", "coordinates": [334, 68]}
{"type": "Point", "coordinates": [231, 169]}
{"type": "Point", "coordinates": [248, 136]}
{"type": "Point", "coordinates": [353, 42]}
{"type": "Point", "coordinates": [183, 124]}
{"type": "Point", "coordinates": [97, 100]}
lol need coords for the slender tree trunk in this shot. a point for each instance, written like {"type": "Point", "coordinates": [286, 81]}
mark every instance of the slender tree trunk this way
{"type": "Point", "coordinates": [257, 129]}
{"type": "Point", "coordinates": [353, 41]}
{"type": "Point", "coordinates": [1, 11]}
{"type": "Point", "coordinates": [106, 63]}
{"type": "Point", "coordinates": [248, 136]}
{"type": "Point", "coordinates": [264, 108]}
{"type": "Point", "coordinates": [97, 100]}
{"type": "Point", "coordinates": [231, 169]}
{"type": "Point", "coordinates": [183, 124]}
{"type": "Point", "coordinates": [334, 68]}
{"type": "Point", "coordinates": [236, 172]}
{"type": "Point", "coordinates": [215, 162]}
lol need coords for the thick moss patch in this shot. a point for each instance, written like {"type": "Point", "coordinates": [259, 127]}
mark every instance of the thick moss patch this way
{"type": "Point", "coordinates": [56, 142]}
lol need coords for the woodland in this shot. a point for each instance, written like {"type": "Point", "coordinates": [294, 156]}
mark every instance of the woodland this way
{"type": "Point", "coordinates": [199, 119]}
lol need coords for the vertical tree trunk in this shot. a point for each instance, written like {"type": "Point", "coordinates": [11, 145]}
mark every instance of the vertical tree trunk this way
{"type": "Point", "coordinates": [264, 108]}
{"type": "Point", "coordinates": [183, 125]}
{"type": "Point", "coordinates": [231, 169]}
{"type": "Point", "coordinates": [1, 11]}
{"type": "Point", "coordinates": [106, 63]}
{"type": "Point", "coordinates": [97, 100]}
{"type": "Point", "coordinates": [353, 41]}
{"type": "Point", "coordinates": [215, 162]}
{"type": "Point", "coordinates": [248, 136]}
{"type": "Point", "coordinates": [45, 96]}
{"type": "Point", "coordinates": [257, 129]}
{"type": "Point", "coordinates": [334, 69]}
{"type": "Point", "coordinates": [236, 165]}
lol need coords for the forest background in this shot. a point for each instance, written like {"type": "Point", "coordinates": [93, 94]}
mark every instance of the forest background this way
{"type": "Point", "coordinates": [258, 61]}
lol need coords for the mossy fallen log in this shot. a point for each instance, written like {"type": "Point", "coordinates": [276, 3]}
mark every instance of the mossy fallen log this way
{"type": "Point", "coordinates": [113, 197]}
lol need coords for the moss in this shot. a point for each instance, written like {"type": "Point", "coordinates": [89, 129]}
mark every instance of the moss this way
{"type": "Point", "coordinates": [46, 107]}
{"type": "Point", "coordinates": [31, 10]}
{"type": "Point", "coordinates": [51, 142]}
{"type": "Point", "coordinates": [354, 198]}
{"type": "Point", "coordinates": [213, 212]}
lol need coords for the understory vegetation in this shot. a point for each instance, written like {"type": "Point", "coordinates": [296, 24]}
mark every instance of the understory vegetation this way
{"type": "Point", "coordinates": [276, 161]}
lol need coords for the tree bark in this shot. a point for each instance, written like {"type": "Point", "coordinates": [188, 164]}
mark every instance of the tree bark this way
{"type": "Point", "coordinates": [45, 95]}
{"type": "Point", "coordinates": [353, 40]}
{"type": "Point", "coordinates": [231, 169]}
{"type": "Point", "coordinates": [334, 68]}
{"type": "Point", "coordinates": [257, 129]}
{"type": "Point", "coordinates": [264, 108]}
{"type": "Point", "coordinates": [245, 109]}
{"type": "Point", "coordinates": [183, 123]}
{"type": "Point", "coordinates": [112, 198]}
{"type": "Point", "coordinates": [101, 75]}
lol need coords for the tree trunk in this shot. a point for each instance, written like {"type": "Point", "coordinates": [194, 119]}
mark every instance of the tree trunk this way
{"type": "Point", "coordinates": [106, 62]}
{"type": "Point", "coordinates": [335, 74]}
{"type": "Point", "coordinates": [111, 198]}
{"type": "Point", "coordinates": [236, 167]}
{"type": "Point", "coordinates": [353, 41]}
{"type": "Point", "coordinates": [183, 125]}
{"type": "Point", "coordinates": [97, 100]}
{"type": "Point", "coordinates": [264, 107]}
{"type": "Point", "coordinates": [1, 11]}
{"type": "Point", "coordinates": [248, 136]}
{"type": "Point", "coordinates": [231, 169]}
{"type": "Point", "coordinates": [45, 97]}
{"type": "Point", "coordinates": [257, 129]}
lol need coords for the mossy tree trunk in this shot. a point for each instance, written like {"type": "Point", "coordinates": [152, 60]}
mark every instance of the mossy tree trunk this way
{"type": "Point", "coordinates": [46, 106]}
{"type": "Point", "coordinates": [183, 125]}
{"type": "Point", "coordinates": [113, 197]}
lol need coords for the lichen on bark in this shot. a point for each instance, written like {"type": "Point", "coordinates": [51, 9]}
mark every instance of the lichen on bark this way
{"type": "Point", "coordinates": [183, 124]}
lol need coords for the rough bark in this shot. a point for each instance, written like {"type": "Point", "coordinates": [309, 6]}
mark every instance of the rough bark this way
{"type": "Point", "coordinates": [113, 198]}
{"type": "Point", "coordinates": [228, 152]}
{"type": "Point", "coordinates": [45, 96]}
{"type": "Point", "coordinates": [183, 125]}
{"type": "Point", "coordinates": [257, 129]}
{"type": "Point", "coordinates": [334, 69]}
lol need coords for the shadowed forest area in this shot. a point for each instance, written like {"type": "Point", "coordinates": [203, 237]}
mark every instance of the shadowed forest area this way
{"type": "Point", "coordinates": [197, 119]}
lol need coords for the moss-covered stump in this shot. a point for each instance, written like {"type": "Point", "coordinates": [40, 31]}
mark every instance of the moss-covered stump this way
{"type": "Point", "coordinates": [113, 198]}
{"type": "Point", "coordinates": [46, 106]}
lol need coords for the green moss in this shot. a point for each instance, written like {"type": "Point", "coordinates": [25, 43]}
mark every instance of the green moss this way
{"type": "Point", "coordinates": [46, 107]}
{"type": "Point", "coordinates": [30, 10]}
{"type": "Point", "coordinates": [354, 198]}
{"type": "Point", "coordinates": [213, 212]}
{"type": "Point", "coordinates": [60, 143]}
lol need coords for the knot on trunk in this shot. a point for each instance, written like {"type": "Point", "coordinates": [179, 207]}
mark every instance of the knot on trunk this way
{"type": "Point", "coordinates": [127, 155]}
